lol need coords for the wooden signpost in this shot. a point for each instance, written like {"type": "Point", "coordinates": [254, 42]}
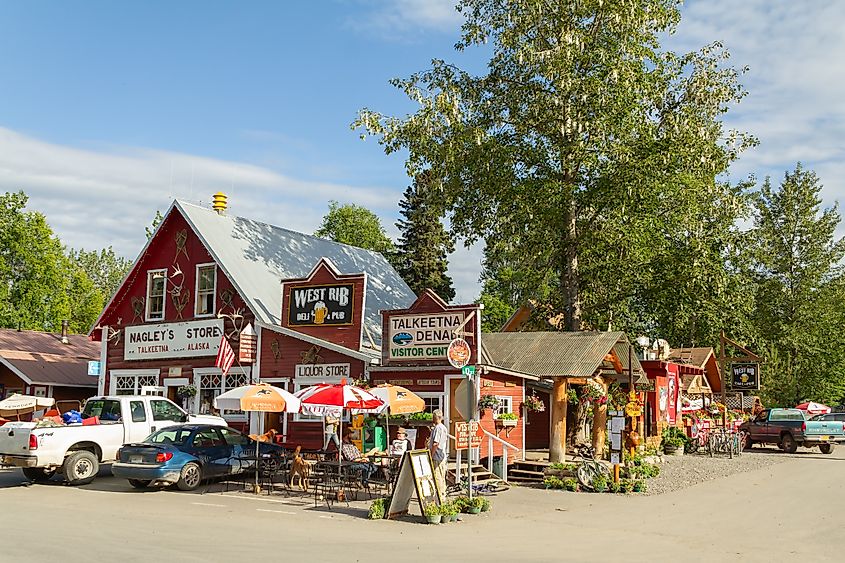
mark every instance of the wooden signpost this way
{"type": "Point", "coordinates": [416, 475]}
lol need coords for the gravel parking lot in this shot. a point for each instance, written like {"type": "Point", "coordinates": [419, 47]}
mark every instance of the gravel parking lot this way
{"type": "Point", "coordinates": [680, 472]}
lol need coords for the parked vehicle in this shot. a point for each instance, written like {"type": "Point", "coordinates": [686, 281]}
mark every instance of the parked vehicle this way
{"type": "Point", "coordinates": [77, 450]}
{"type": "Point", "coordinates": [186, 455]}
{"type": "Point", "coordinates": [840, 416]}
{"type": "Point", "coordinates": [789, 429]}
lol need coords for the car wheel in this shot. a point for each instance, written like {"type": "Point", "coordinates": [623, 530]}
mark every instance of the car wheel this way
{"type": "Point", "coordinates": [190, 477]}
{"type": "Point", "coordinates": [789, 444]}
{"type": "Point", "coordinates": [826, 448]}
{"type": "Point", "coordinates": [80, 467]}
{"type": "Point", "coordinates": [139, 483]}
{"type": "Point", "coordinates": [38, 474]}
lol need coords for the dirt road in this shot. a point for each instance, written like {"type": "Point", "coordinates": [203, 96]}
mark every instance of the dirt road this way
{"type": "Point", "coordinates": [788, 511]}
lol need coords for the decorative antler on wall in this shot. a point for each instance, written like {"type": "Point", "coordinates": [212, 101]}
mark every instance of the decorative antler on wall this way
{"type": "Point", "coordinates": [277, 352]}
{"type": "Point", "coordinates": [238, 322]}
{"type": "Point", "coordinates": [227, 297]}
{"type": "Point", "coordinates": [180, 301]}
{"type": "Point", "coordinates": [180, 296]}
{"type": "Point", "coordinates": [114, 335]}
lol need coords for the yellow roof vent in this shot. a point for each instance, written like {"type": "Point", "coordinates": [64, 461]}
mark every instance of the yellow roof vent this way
{"type": "Point", "coordinates": [218, 203]}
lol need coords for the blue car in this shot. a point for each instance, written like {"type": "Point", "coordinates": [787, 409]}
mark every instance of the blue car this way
{"type": "Point", "coordinates": [186, 455]}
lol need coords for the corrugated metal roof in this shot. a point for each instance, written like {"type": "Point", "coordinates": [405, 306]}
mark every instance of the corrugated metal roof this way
{"type": "Point", "coordinates": [550, 354]}
{"type": "Point", "coordinates": [257, 257]}
{"type": "Point", "coordinates": [42, 358]}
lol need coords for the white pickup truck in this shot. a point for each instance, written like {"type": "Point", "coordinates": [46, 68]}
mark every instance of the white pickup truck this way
{"type": "Point", "coordinates": [78, 449]}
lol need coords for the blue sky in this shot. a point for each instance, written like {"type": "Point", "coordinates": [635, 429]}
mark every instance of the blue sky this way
{"type": "Point", "coordinates": [110, 109]}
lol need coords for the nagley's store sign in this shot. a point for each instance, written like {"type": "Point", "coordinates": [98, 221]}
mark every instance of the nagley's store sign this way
{"type": "Point", "coordinates": [422, 337]}
{"type": "Point", "coordinates": [173, 340]}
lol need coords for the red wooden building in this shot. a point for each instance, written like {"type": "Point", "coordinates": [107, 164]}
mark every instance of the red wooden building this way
{"type": "Point", "coordinates": [204, 273]}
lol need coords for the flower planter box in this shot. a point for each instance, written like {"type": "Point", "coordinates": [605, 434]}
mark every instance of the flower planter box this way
{"type": "Point", "coordinates": [506, 422]}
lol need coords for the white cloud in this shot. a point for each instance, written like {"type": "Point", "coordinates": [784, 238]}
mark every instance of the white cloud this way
{"type": "Point", "coordinates": [398, 18]}
{"type": "Point", "coordinates": [95, 198]}
{"type": "Point", "coordinates": [796, 81]}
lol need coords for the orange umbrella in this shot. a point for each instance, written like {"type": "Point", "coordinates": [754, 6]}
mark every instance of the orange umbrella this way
{"type": "Point", "coordinates": [257, 398]}
{"type": "Point", "coordinates": [397, 399]}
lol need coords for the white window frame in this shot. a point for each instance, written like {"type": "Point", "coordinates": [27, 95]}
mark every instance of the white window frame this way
{"type": "Point", "coordinates": [197, 291]}
{"type": "Point", "coordinates": [199, 372]}
{"type": "Point", "coordinates": [434, 395]}
{"type": "Point", "coordinates": [308, 382]}
{"type": "Point", "coordinates": [136, 373]}
{"type": "Point", "coordinates": [505, 405]}
{"type": "Point", "coordinates": [150, 276]}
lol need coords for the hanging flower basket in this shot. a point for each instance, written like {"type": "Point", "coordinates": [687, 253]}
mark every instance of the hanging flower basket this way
{"type": "Point", "coordinates": [488, 402]}
{"type": "Point", "coordinates": [186, 391]}
{"type": "Point", "coordinates": [534, 404]}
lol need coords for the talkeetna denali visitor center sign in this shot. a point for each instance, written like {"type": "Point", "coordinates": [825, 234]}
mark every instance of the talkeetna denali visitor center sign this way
{"type": "Point", "coordinates": [320, 305]}
{"type": "Point", "coordinates": [173, 340]}
{"type": "Point", "coordinates": [424, 336]}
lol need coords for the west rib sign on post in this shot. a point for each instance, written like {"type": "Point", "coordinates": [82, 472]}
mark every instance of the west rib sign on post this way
{"type": "Point", "coordinates": [745, 376]}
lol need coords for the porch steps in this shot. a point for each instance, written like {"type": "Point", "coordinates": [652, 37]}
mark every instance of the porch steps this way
{"type": "Point", "coordinates": [527, 471]}
{"type": "Point", "coordinates": [480, 474]}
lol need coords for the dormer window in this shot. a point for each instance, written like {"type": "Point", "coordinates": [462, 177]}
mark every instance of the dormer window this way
{"type": "Point", "coordinates": [206, 290]}
{"type": "Point", "coordinates": [156, 281]}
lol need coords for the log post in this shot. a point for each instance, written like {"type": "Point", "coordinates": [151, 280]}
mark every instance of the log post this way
{"type": "Point", "coordinates": [600, 423]}
{"type": "Point", "coordinates": [557, 438]}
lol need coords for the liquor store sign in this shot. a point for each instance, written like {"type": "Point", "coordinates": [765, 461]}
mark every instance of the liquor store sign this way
{"type": "Point", "coordinates": [422, 337]}
{"type": "Point", "coordinates": [172, 340]}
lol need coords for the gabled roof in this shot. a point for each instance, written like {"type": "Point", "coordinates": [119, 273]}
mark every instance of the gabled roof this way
{"type": "Point", "coordinates": [40, 358]}
{"type": "Point", "coordinates": [256, 257]}
{"type": "Point", "coordinates": [704, 358]}
{"type": "Point", "coordinates": [554, 354]}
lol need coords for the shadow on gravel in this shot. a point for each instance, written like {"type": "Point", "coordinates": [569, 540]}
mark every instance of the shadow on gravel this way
{"type": "Point", "coordinates": [797, 455]}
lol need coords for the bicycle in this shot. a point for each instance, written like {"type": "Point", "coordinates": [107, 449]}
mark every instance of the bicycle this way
{"type": "Point", "coordinates": [489, 487]}
{"type": "Point", "coordinates": [590, 469]}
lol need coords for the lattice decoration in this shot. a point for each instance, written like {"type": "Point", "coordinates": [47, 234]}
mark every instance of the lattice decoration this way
{"type": "Point", "coordinates": [147, 380]}
{"type": "Point", "coordinates": [211, 381]}
{"type": "Point", "coordinates": [181, 244]}
{"type": "Point", "coordinates": [234, 380]}
{"type": "Point", "coordinates": [124, 383]}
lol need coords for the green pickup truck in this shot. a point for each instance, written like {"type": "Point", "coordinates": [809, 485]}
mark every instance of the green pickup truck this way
{"type": "Point", "coordinates": [790, 428]}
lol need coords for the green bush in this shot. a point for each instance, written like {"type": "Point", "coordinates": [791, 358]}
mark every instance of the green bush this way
{"type": "Point", "coordinates": [626, 485]}
{"type": "Point", "coordinates": [613, 487]}
{"type": "Point", "coordinates": [600, 484]}
{"type": "Point", "coordinates": [673, 436]}
{"type": "Point", "coordinates": [485, 504]}
{"type": "Point", "coordinates": [640, 486]}
{"type": "Point", "coordinates": [461, 503]}
{"type": "Point", "coordinates": [552, 482]}
{"type": "Point", "coordinates": [377, 509]}
{"type": "Point", "coordinates": [563, 466]}
{"type": "Point", "coordinates": [570, 484]}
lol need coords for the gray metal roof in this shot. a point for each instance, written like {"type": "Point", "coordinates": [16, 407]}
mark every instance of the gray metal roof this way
{"type": "Point", "coordinates": [550, 354]}
{"type": "Point", "coordinates": [257, 257]}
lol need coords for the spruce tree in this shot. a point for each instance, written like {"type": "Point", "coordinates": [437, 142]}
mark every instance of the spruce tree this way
{"type": "Point", "coordinates": [424, 244]}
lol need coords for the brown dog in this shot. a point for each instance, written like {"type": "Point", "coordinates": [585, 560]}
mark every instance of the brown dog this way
{"type": "Point", "coordinates": [268, 436]}
{"type": "Point", "coordinates": [300, 470]}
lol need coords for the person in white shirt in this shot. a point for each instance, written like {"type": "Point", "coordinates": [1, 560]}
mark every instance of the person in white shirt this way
{"type": "Point", "coordinates": [437, 448]}
{"type": "Point", "coordinates": [401, 444]}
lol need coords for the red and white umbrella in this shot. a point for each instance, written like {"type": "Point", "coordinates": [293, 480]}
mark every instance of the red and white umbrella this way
{"type": "Point", "coordinates": [813, 408]}
{"type": "Point", "coordinates": [328, 398]}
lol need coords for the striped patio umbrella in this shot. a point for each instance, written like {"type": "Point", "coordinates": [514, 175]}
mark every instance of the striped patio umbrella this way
{"type": "Point", "coordinates": [326, 398]}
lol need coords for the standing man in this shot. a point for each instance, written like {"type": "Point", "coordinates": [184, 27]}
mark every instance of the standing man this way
{"type": "Point", "coordinates": [437, 448]}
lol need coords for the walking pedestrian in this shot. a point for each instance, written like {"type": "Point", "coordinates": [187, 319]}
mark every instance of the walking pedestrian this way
{"type": "Point", "coordinates": [437, 448]}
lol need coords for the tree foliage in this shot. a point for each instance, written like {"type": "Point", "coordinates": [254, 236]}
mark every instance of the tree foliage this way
{"type": "Point", "coordinates": [800, 291]}
{"type": "Point", "coordinates": [424, 244]}
{"type": "Point", "coordinates": [356, 226]}
{"type": "Point", "coordinates": [573, 153]}
{"type": "Point", "coordinates": [41, 283]}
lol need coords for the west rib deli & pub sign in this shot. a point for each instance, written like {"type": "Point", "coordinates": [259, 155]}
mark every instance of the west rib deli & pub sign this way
{"type": "Point", "coordinates": [320, 305]}
{"type": "Point", "coordinates": [745, 376]}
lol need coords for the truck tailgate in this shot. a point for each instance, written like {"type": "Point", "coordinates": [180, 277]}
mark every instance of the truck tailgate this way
{"type": "Point", "coordinates": [823, 428]}
{"type": "Point", "coordinates": [14, 438]}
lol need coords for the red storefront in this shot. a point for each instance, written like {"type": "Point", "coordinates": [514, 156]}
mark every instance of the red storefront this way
{"type": "Point", "coordinates": [203, 274]}
{"type": "Point", "coordinates": [663, 400]}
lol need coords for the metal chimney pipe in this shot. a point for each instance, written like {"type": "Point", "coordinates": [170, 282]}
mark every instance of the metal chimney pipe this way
{"type": "Point", "coordinates": [64, 332]}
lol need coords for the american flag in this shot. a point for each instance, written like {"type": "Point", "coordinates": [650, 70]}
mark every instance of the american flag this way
{"type": "Point", "coordinates": [225, 355]}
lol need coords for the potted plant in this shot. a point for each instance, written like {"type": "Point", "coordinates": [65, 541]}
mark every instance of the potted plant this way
{"type": "Point", "coordinates": [673, 441]}
{"type": "Point", "coordinates": [600, 484]}
{"type": "Point", "coordinates": [485, 504]}
{"type": "Point", "coordinates": [377, 509]}
{"type": "Point", "coordinates": [639, 486]}
{"type": "Point", "coordinates": [432, 513]}
{"type": "Point", "coordinates": [474, 505]}
{"type": "Point", "coordinates": [186, 391]}
{"type": "Point", "coordinates": [507, 419]}
{"type": "Point", "coordinates": [626, 485]}
{"type": "Point", "coordinates": [450, 512]}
